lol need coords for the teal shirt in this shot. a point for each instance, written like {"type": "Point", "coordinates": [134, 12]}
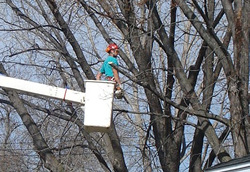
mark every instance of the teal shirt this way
{"type": "Point", "coordinates": [106, 68]}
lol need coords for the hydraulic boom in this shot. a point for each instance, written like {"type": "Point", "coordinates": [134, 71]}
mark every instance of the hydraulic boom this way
{"type": "Point", "coordinates": [42, 89]}
{"type": "Point", "coordinates": [97, 101]}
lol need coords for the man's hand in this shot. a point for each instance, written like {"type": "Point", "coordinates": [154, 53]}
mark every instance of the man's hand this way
{"type": "Point", "coordinates": [119, 87]}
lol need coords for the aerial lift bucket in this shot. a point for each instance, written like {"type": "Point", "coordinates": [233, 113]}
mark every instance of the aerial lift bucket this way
{"type": "Point", "coordinates": [99, 97]}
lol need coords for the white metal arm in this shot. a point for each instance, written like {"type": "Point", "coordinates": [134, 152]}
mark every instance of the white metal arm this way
{"type": "Point", "coordinates": [98, 100]}
{"type": "Point", "coordinates": [42, 89]}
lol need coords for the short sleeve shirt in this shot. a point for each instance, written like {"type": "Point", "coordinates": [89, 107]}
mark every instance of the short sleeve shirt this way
{"type": "Point", "coordinates": [106, 68]}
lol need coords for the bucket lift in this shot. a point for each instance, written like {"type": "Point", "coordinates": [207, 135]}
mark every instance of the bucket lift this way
{"type": "Point", "coordinates": [97, 100]}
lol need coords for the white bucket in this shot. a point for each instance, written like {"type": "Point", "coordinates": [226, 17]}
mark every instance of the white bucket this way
{"type": "Point", "coordinates": [98, 105]}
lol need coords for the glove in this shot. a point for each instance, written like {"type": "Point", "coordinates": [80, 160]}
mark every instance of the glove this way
{"type": "Point", "coordinates": [119, 87]}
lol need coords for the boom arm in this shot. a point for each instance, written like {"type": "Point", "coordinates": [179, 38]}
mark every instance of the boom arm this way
{"type": "Point", "coordinates": [97, 100]}
{"type": "Point", "coordinates": [42, 89]}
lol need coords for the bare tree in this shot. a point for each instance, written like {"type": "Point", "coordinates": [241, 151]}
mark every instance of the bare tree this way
{"type": "Point", "coordinates": [184, 67]}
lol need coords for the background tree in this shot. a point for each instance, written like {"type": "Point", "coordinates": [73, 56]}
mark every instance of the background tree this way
{"type": "Point", "coordinates": [184, 67]}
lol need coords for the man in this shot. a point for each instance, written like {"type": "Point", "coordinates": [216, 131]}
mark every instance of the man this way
{"type": "Point", "coordinates": [110, 72]}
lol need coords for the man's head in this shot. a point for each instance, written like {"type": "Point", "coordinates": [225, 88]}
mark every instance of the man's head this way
{"type": "Point", "coordinates": [112, 49]}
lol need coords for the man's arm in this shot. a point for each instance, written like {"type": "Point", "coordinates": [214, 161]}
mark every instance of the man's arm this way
{"type": "Point", "coordinates": [98, 76]}
{"type": "Point", "coordinates": [116, 76]}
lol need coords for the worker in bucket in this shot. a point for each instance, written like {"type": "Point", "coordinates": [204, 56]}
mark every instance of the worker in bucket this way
{"type": "Point", "coordinates": [110, 72]}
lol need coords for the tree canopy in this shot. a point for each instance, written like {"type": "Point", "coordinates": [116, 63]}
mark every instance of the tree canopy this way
{"type": "Point", "coordinates": [184, 67]}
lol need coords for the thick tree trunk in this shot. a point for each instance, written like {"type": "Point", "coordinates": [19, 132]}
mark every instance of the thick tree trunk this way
{"type": "Point", "coordinates": [197, 146]}
{"type": "Point", "coordinates": [114, 149]}
{"type": "Point", "coordinates": [238, 83]}
{"type": "Point", "coordinates": [246, 24]}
